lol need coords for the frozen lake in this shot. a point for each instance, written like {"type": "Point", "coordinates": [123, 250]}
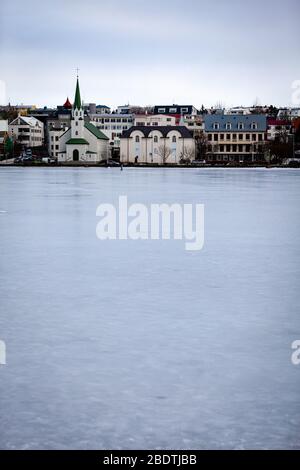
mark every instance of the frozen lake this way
{"type": "Point", "coordinates": [123, 344]}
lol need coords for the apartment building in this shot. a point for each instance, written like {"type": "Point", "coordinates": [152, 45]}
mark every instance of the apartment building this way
{"type": "Point", "coordinates": [239, 138]}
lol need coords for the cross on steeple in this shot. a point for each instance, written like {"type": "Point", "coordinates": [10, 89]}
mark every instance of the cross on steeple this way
{"type": "Point", "coordinates": [77, 72]}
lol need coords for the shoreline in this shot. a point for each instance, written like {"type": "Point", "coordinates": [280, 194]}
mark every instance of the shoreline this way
{"type": "Point", "coordinates": [82, 165]}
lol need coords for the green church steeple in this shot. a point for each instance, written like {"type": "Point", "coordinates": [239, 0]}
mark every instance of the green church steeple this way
{"type": "Point", "coordinates": [77, 101]}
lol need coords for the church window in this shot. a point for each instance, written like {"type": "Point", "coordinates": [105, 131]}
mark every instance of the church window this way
{"type": "Point", "coordinates": [76, 133]}
{"type": "Point", "coordinates": [155, 139]}
{"type": "Point", "coordinates": [174, 139]}
{"type": "Point", "coordinates": [137, 139]}
{"type": "Point", "coordinates": [76, 123]}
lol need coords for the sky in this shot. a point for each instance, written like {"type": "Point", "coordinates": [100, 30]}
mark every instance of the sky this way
{"type": "Point", "coordinates": [147, 52]}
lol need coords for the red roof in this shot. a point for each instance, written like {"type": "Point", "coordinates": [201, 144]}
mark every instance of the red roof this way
{"type": "Point", "coordinates": [278, 122]}
{"type": "Point", "coordinates": [67, 104]}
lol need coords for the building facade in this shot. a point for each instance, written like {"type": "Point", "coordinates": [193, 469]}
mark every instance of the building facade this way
{"type": "Point", "coordinates": [112, 125]}
{"type": "Point", "coordinates": [235, 138]}
{"type": "Point", "coordinates": [82, 142]}
{"type": "Point", "coordinates": [154, 120]}
{"type": "Point", "coordinates": [27, 131]}
{"type": "Point", "coordinates": [157, 145]}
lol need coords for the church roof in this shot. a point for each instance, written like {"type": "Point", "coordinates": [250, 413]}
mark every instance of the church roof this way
{"type": "Point", "coordinates": [77, 100]}
{"type": "Point", "coordinates": [93, 129]}
{"type": "Point", "coordinates": [67, 104]}
{"type": "Point", "coordinates": [77, 142]}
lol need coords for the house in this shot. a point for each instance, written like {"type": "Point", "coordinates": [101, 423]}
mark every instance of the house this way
{"type": "Point", "coordinates": [27, 130]}
{"type": "Point", "coordinates": [82, 142]}
{"type": "Point", "coordinates": [3, 135]}
{"type": "Point", "coordinates": [157, 145]}
{"type": "Point", "coordinates": [235, 138]}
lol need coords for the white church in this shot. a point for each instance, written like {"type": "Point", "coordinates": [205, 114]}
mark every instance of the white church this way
{"type": "Point", "coordinates": [82, 142]}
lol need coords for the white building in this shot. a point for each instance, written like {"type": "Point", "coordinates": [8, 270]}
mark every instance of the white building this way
{"type": "Point", "coordinates": [28, 131]}
{"type": "Point", "coordinates": [82, 141]}
{"type": "Point", "coordinates": [154, 120]}
{"type": "Point", "coordinates": [54, 135]}
{"type": "Point", "coordinates": [158, 145]}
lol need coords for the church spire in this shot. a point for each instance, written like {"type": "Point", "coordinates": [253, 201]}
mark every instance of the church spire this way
{"type": "Point", "coordinates": [77, 100]}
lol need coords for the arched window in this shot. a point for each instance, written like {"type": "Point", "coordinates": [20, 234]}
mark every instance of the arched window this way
{"type": "Point", "coordinates": [76, 133]}
{"type": "Point", "coordinates": [76, 123]}
{"type": "Point", "coordinates": [155, 139]}
{"type": "Point", "coordinates": [228, 126]}
{"type": "Point", "coordinates": [174, 139]}
{"type": "Point", "coordinates": [76, 113]}
{"type": "Point", "coordinates": [137, 139]}
{"type": "Point", "coordinates": [253, 125]}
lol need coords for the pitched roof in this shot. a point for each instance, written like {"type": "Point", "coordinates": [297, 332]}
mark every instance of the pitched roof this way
{"type": "Point", "coordinates": [222, 119]}
{"type": "Point", "coordinates": [29, 120]}
{"type": "Point", "coordinates": [77, 100]}
{"type": "Point", "coordinates": [77, 142]}
{"type": "Point", "coordinates": [95, 131]}
{"type": "Point", "coordinates": [165, 130]}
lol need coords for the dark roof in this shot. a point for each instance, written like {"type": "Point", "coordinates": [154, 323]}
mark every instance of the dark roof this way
{"type": "Point", "coordinates": [77, 100]}
{"type": "Point", "coordinates": [146, 130]}
{"type": "Point", "coordinates": [178, 108]}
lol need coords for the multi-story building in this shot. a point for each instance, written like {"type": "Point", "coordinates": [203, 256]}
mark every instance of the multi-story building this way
{"type": "Point", "coordinates": [157, 145]}
{"type": "Point", "coordinates": [288, 113]}
{"type": "Point", "coordinates": [54, 135]}
{"type": "Point", "coordinates": [154, 120]}
{"type": "Point", "coordinates": [235, 138]}
{"type": "Point", "coordinates": [175, 109]}
{"type": "Point", "coordinates": [112, 125]}
{"type": "Point", "coordinates": [28, 131]}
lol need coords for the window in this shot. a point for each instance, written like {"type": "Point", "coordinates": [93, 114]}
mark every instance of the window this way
{"type": "Point", "coordinates": [216, 137]}
{"type": "Point", "coordinates": [240, 148]}
{"type": "Point", "coordinates": [240, 126]}
{"type": "Point", "coordinates": [173, 110]}
{"type": "Point", "coordinates": [227, 136]}
{"type": "Point", "coordinates": [228, 126]}
{"type": "Point", "coordinates": [222, 137]}
{"type": "Point", "coordinates": [221, 148]}
{"type": "Point", "coordinates": [241, 136]}
{"type": "Point", "coordinates": [216, 126]}
{"type": "Point", "coordinates": [184, 110]}
{"type": "Point", "coordinates": [174, 139]}
{"type": "Point", "coordinates": [76, 123]}
{"type": "Point", "coordinates": [253, 137]}
{"type": "Point", "coordinates": [76, 133]}
{"type": "Point", "coordinates": [155, 139]}
{"type": "Point", "coordinates": [161, 110]}
{"type": "Point", "coordinates": [234, 136]}
{"type": "Point", "coordinates": [253, 126]}
{"type": "Point", "coordinates": [169, 119]}
{"type": "Point", "coordinates": [260, 137]}
{"type": "Point", "coordinates": [137, 139]}
{"type": "Point", "coordinates": [209, 137]}
{"type": "Point", "coordinates": [247, 136]}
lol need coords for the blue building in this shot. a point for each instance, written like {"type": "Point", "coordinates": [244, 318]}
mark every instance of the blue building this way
{"type": "Point", "coordinates": [235, 138]}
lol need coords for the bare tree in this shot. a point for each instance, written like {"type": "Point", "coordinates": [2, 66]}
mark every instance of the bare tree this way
{"type": "Point", "coordinates": [164, 152]}
{"type": "Point", "coordinates": [187, 155]}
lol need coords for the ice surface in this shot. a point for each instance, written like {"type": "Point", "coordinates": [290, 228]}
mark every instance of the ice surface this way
{"type": "Point", "coordinates": [124, 344]}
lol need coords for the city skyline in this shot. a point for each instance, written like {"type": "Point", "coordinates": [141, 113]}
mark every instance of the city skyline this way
{"type": "Point", "coordinates": [127, 52]}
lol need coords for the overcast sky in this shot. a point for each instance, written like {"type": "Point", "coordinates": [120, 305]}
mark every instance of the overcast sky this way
{"type": "Point", "coordinates": [149, 51]}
